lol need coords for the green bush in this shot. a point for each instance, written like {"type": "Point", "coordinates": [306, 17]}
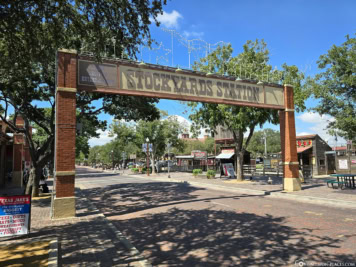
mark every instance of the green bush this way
{"type": "Point", "coordinates": [196, 172]}
{"type": "Point", "coordinates": [135, 170]}
{"type": "Point", "coordinates": [210, 174]}
{"type": "Point", "coordinates": [144, 169]}
{"type": "Point", "coordinates": [259, 166]}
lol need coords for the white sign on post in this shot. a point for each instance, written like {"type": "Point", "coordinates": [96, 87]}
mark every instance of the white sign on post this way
{"type": "Point", "coordinates": [343, 164]}
{"type": "Point", "coordinates": [229, 169]}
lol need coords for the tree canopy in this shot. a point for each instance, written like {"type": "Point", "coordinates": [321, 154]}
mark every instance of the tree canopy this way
{"type": "Point", "coordinates": [257, 143]}
{"type": "Point", "coordinates": [30, 34]}
{"type": "Point", "coordinates": [335, 88]}
{"type": "Point", "coordinates": [129, 138]}
{"type": "Point", "coordinates": [253, 61]}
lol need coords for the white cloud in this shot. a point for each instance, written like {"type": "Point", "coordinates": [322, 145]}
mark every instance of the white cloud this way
{"type": "Point", "coordinates": [193, 34]}
{"type": "Point", "coordinates": [313, 117]}
{"type": "Point", "coordinates": [103, 139]}
{"type": "Point", "coordinates": [319, 126]}
{"type": "Point", "coordinates": [304, 133]}
{"type": "Point", "coordinates": [186, 126]}
{"type": "Point", "coordinates": [169, 20]}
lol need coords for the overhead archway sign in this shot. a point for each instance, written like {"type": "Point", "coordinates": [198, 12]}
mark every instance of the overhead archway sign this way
{"type": "Point", "coordinates": [81, 72]}
{"type": "Point", "coordinates": [132, 78]}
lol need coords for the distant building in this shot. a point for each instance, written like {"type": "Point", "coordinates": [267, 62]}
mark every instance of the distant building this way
{"type": "Point", "coordinates": [310, 148]}
{"type": "Point", "coordinates": [311, 154]}
{"type": "Point", "coordinates": [14, 155]}
{"type": "Point", "coordinates": [344, 158]}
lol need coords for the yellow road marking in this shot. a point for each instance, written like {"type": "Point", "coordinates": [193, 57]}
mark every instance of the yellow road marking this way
{"type": "Point", "coordinates": [314, 213]}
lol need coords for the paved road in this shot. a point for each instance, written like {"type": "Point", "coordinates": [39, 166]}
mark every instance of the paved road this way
{"type": "Point", "coordinates": [176, 224]}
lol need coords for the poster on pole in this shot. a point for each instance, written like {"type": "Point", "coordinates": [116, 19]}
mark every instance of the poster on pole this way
{"type": "Point", "coordinates": [15, 215]}
{"type": "Point", "coordinates": [229, 169]}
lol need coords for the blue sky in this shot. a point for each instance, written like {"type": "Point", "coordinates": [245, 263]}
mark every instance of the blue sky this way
{"type": "Point", "coordinates": [296, 32]}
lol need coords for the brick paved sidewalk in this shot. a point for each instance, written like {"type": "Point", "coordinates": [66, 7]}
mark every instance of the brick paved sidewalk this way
{"type": "Point", "coordinates": [88, 239]}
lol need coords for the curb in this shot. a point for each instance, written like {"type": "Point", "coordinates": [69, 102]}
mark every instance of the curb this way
{"type": "Point", "coordinates": [284, 195]}
{"type": "Point", "coordinates": [316, 200]}
{"type": "Point", "coordinates": [53, 253]}
{"type": "Point", "coordinates": [134, 252]}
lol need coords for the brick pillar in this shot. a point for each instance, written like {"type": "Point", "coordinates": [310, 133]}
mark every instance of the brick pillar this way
{"type": "Point", "coordinates": [3, 164]}
{"type": "Point", "coordinates": [289, 143]}
{"type": "Point", "coordinates": [18, 147]}
{"type": "Point", "coordinates": [64, 200]}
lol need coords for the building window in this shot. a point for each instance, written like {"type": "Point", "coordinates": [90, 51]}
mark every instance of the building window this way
{"type": "Point", "coordinates": [322, 162]}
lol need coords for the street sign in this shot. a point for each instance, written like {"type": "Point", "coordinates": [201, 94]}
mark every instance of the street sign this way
{"type": "Point", "coordinates": [144, 147]}
{"type": "Point", "coordinates": [15, 215]}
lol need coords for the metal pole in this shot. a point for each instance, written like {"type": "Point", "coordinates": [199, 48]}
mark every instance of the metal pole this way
{"type": "Point", "coordinates": [112, 158]}
{"type": "Point", "coordinates": [169, 146]}
{"type": "Point", "coordinates": [148, 165]}
{"type": "Point", "coordinates": [265, 137]}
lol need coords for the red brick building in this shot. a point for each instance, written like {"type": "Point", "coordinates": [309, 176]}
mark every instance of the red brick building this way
{"type": "Point", "coordinates": [14, 155]}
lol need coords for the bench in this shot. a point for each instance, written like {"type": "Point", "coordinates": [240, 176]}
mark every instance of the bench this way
{"type": "Point", "coordinates": [332, 182]}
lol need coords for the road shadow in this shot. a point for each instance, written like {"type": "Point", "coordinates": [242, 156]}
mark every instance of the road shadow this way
{"type": "Point", "coordinates": [207, 237]}
{"type": "Point", "coordinates": [140, 196]}
{"type": "Point", "coordinates": [180, 237]}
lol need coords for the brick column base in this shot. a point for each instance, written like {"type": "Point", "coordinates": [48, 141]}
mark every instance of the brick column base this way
{"type": "Point", "coordinates": [292, 184]}
{"type": "Point", "coordinates": [63, 207]}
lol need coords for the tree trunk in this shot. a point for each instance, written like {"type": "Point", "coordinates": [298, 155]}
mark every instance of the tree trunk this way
{"type": "Point", "coordinates": [239, 166]}
{"type": "Point", "coordinates": [34, 181]}
{"type": "Point", "coordinates": [31, 178]}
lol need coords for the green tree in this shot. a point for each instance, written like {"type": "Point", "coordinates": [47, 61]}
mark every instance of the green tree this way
{"type": "Point", "coordinates": [206, 145]}
{"type": "Point", "coordinates": [335, 88]}
{"type": "Point", "coordinates": [160, 133]}
{"type": "Point", "coordinates": [238, 119]}
{"type": "Point", "coordinates": [30, 34]}
{"type": "Point", "coordinates": [125, 140]}
{"type": "Point", "coordinates": [257, 142]}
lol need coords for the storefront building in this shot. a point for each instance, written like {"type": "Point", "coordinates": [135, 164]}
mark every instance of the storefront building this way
{"type": "Point", "coordinates": [311, 154]}
{"type": "Point", "coordinates": [14, 155]}
{"type": "Point", "coordinates": [196, 160]}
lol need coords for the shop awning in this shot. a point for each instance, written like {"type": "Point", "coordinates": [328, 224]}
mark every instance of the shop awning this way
{"type": "Point", "coordinates": [225, 156]}
{"type": "Point", "coordinates": [303, 149]}
{"type": "Point", "coordinates": [185, 157]}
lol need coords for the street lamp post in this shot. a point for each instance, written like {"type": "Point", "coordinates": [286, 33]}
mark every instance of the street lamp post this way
{"type": "Point", "coordinates": [168, 146]}
{"type": "Point", "coordinates": [112, 158]}
{"type": "Point", "coordinates": [123, 161]}
{"type": "Point", "coordinates": [265, 155]}
{"type": "Point", "coordinates": [147, 153]}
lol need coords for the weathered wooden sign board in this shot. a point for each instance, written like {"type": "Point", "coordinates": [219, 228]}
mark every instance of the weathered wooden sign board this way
{"type": "Point", "coordinates": [133, 79]}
